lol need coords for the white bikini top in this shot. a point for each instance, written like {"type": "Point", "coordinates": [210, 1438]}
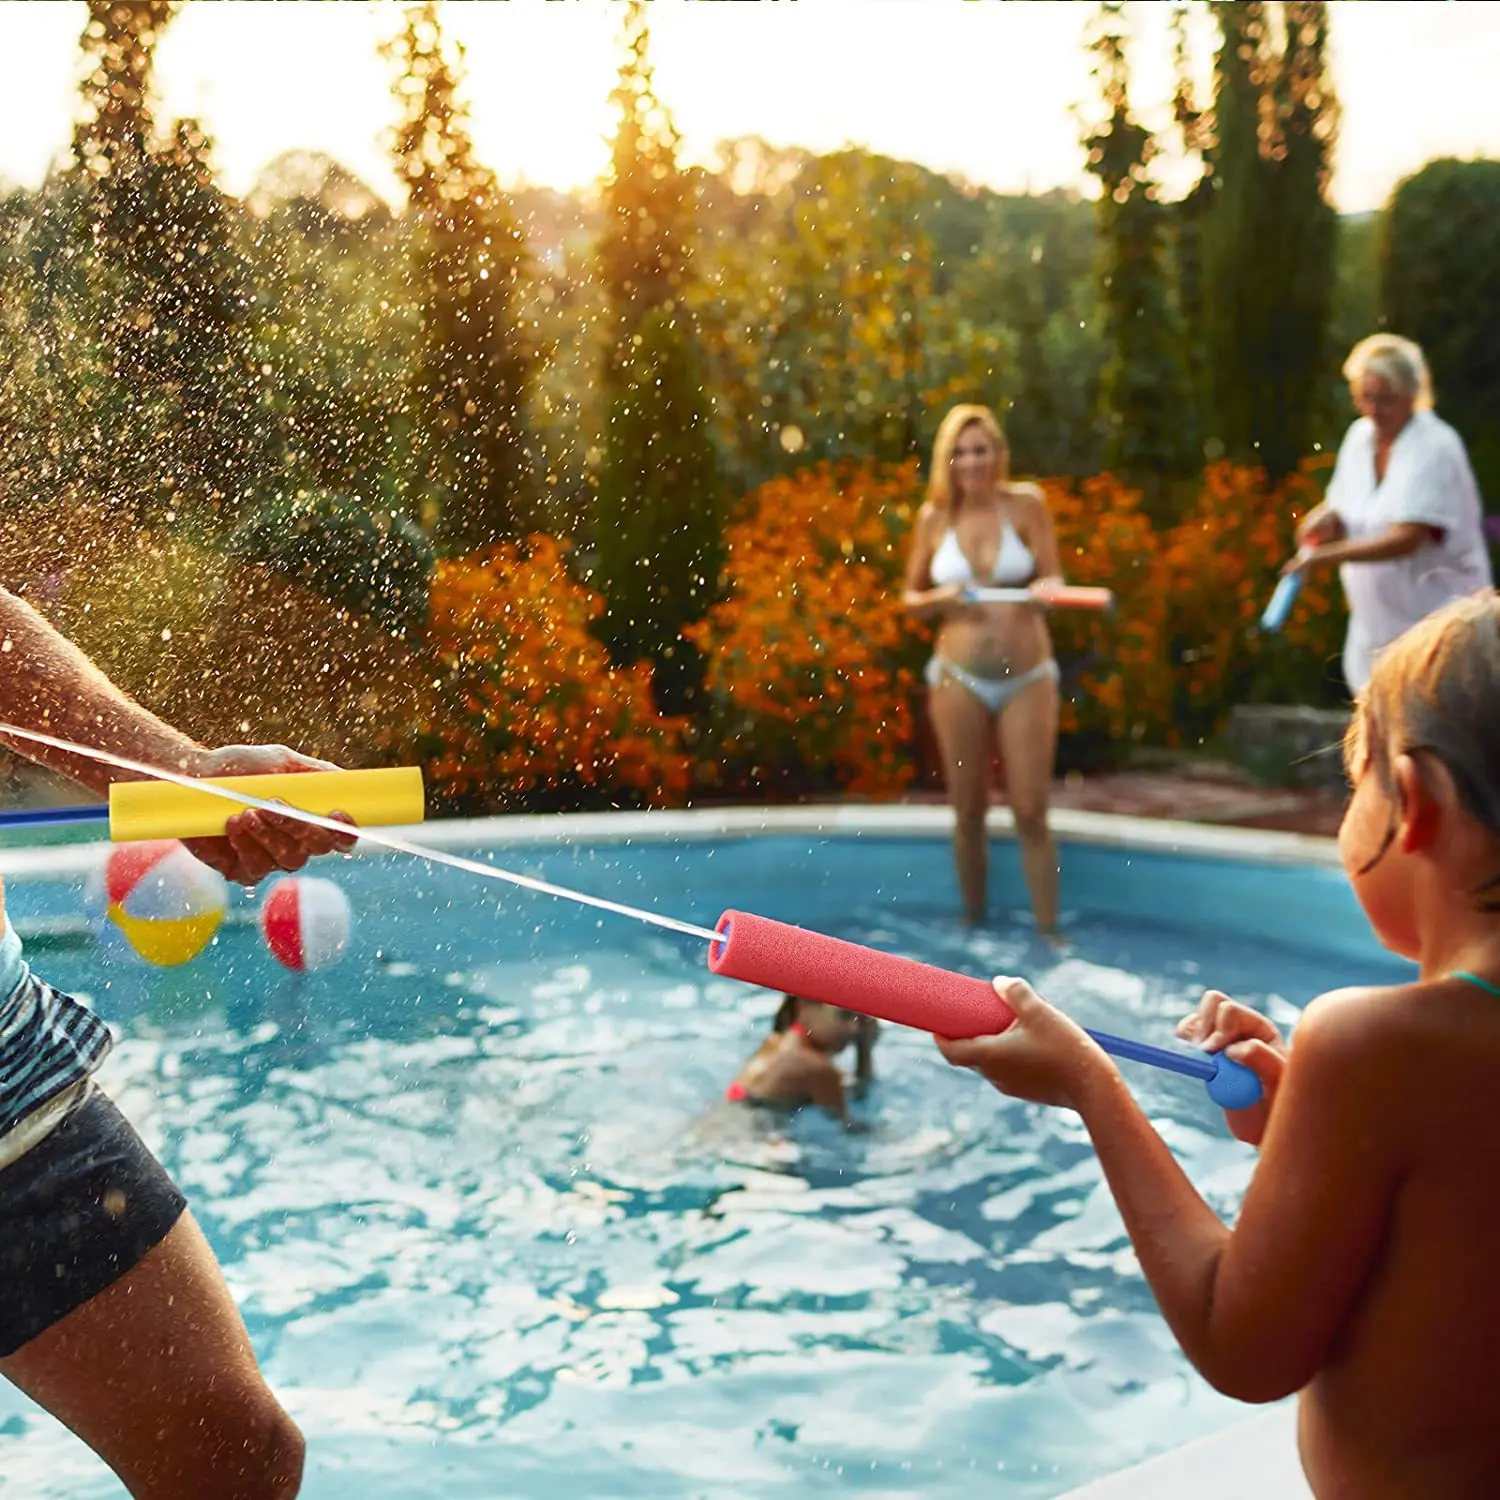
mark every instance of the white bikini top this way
{"type": "Point", "coordinates": [1014, 563]}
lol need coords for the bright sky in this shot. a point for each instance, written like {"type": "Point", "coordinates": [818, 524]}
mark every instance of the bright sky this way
{"type": "Point", "coordinates": [984, 88]}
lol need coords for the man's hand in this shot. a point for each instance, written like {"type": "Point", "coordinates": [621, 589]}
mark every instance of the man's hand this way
{"type": "Point", "coordinates": [255, 843]}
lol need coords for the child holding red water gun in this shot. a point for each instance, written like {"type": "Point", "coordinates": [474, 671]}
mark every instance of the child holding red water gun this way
{"type": "Point", "coordinates": [1362, 1269]}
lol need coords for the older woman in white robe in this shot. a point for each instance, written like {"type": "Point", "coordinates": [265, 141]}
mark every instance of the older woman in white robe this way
{"type": "Point", "coordinates": [1402, 519]}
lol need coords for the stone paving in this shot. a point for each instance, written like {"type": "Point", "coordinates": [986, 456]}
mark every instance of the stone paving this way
{"type": "Point", "coordinates": [1201, 792]}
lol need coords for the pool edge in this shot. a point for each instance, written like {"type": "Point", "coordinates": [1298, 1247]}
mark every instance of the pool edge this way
{"type": "Point", "coordinates": [1158, 835]}
{"type": "Point", "coordinates": [1247, 1460]}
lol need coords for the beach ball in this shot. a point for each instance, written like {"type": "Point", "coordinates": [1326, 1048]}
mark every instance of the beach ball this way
{"type": "Point", "coordinates": [306, 922]}
{"type": "Point", "coordinates": [168, 904]}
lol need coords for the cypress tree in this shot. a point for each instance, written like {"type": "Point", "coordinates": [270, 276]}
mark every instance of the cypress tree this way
{"type": "Point", "coordinates": [468, 395]}
{"type": "Point", "coordinates": [1269, 234]}
{"type": "Point", "coordinates": [657, 517]}
{"type": "Point", "coordinates": [164, 287]}
{"type": "Point", "coordinates": [1144, 393]}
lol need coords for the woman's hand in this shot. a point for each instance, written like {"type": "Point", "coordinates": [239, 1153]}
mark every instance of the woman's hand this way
{"type": "Point", "coordinates": [1042, 590]}
{"type": "Point", "coordinates": [1245, 1036]}
{"type": "Point", "coordinates": [1041, 1056]}
{"type": "Point", "coordinates": [254, 842]}
{"type": "Point", "coordinates": [938, 601]}
{"type": "Point", "coordinates": [1321, 524]}
{"type": "Point", "coordinates": [1299, 561]}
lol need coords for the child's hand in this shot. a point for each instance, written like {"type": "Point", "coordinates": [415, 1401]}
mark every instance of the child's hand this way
{"type": "Point", "coordinates": [1224, 1025]}
{"type": "Point", "coordinates": [1042, 1056]}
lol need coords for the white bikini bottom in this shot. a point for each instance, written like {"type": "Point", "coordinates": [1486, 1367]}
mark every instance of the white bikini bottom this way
{"type": "Point", "coordinates": [993, 692]}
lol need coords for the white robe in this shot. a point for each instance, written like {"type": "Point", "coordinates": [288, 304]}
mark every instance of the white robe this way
{"type": "Point", "coordinates": [1428, 482]}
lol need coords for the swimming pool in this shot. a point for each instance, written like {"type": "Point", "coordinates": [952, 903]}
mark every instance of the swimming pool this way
{"type": "Point", "coordinates": [492, 1234]}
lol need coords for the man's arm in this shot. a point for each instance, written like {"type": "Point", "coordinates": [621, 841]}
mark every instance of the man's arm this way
{"type": "Point", "coordinates": [49, 685]}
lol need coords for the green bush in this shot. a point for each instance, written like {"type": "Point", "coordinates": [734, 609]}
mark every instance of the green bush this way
{"type": "Point", "coordinates": [377, 564]}
{"type": "Point", "coordinates": [1440, 285]}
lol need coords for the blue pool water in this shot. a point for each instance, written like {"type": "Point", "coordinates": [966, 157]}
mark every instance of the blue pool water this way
{"type": "Point", "coordinates": [493, 1235]}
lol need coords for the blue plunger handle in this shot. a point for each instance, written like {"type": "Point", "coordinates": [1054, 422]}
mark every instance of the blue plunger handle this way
{"type": "Point", "coordinates": [1231, 1085]}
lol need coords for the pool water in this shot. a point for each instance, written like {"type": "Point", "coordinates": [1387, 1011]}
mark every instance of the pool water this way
{"type": "Point", "coordinates": [494, 1234]}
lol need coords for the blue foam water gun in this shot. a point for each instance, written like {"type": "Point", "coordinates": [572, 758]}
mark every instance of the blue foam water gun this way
{"type": "Point", "coordinates": [1282, 600]}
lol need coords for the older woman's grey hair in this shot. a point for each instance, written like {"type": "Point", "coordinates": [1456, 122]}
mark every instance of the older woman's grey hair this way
{"type": "Point", "coordinates": [1397, 361]}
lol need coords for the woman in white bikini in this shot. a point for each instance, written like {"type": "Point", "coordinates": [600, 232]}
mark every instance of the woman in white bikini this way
{"type": "Point", "coordinates": [992, 670]}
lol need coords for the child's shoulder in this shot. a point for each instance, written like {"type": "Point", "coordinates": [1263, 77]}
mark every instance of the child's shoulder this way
{"type": "Point", "coordinates": [1362, 1015]}
{"type": "Point", "coordinates": [1356, 1027]}
{"type": "Point", "coordinates": [932, 519]}
{"type": "Point", "coordinates": [1401, 1026]}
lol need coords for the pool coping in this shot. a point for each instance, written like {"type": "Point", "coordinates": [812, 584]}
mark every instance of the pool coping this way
{"type": "Point", "coordinates": [1248, 1460]}
{"type": "Point", "coordinates": [1117, 830]}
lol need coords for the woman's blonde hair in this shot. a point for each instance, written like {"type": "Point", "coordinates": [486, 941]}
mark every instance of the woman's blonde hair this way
{"type": "Point", "coordinates": [1436, 690]}
{"type": "Point", "coordinates": [1397, 361]}
{"type": "Point", "coordinates": [939, 480]}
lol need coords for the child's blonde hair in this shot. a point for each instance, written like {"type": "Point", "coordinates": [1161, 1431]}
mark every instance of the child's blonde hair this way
{"type": "Point", "coordinates": [1436, 689]}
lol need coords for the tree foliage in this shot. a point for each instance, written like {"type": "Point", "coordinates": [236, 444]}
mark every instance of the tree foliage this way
{"type": "Point", "coordinates": [158, 291]}
{"type": "Point", "coordinates": [468, 392]}
{"type": "Point", "coordinates": [1269, 233]}
{"type": "Point", "coordinates": [658, 510]}
{"type": "Point", "coordinates": [1143, 393]}
{"type": "Point", "coordinates": [375, 564]}
{"type": "Point", "coordinates": [644, 248]}
{"type": "Point", "coordinates": [1439, 272]}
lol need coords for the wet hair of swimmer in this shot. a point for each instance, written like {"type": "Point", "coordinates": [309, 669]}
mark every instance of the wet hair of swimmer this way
{"type": "Point", "coordinates": [790, 1011]}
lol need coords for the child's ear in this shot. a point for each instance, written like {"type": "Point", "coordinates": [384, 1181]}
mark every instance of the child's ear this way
{"type": "Point", "coordinates": [1421, 808]}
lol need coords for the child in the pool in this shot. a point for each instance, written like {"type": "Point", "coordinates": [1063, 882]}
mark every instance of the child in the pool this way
{"type": "Point", "coordinates": [794, 1065]}
{"type": "Point", "coordinates": [1364, 1269]}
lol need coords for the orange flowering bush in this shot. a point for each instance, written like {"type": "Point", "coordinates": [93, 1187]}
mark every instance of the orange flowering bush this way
{"type": "Point", "coordinates": [1183, 646]}
{"type": "Point", "coordinates": [1120, 685]}
{"type": "Point", "coordinates": [532, 708]}
{"type": "Point", "coordinates": [808, 659]}
{"type": "Point", "coordinates": [1217, 570]}
{"type": "Point", "coordinates": [811, 660]}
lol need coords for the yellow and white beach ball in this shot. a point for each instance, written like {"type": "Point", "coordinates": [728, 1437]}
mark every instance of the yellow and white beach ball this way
{"type": "Point", "coordinates": [168, 904]}
{"type": "Point", "coordinates": [306, 922]}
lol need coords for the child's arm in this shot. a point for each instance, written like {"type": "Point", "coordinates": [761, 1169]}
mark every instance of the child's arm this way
{"type": "Point", "coordinates": [864, 1056]}
{"type": "Point", "coordinates": [801, 1073]}
{"type": "Point", "coordinates": [1256, 1310]}
{"type": "Point", "coordinates": [825, 1088]}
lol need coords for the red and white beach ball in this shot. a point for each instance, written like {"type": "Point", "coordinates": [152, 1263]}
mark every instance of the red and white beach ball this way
{"type": "Point", "coordinates": [168, 904]}
{"type": "Point", "coordinates": [305, 922]}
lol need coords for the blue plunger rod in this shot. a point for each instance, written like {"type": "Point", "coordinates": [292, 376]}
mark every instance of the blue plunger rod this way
{"type": "Point", "coordinates": [29, 817]}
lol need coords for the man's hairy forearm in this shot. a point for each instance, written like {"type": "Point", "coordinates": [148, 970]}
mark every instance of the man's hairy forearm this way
{"type": "Point", "coordinates": [49, 685]}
